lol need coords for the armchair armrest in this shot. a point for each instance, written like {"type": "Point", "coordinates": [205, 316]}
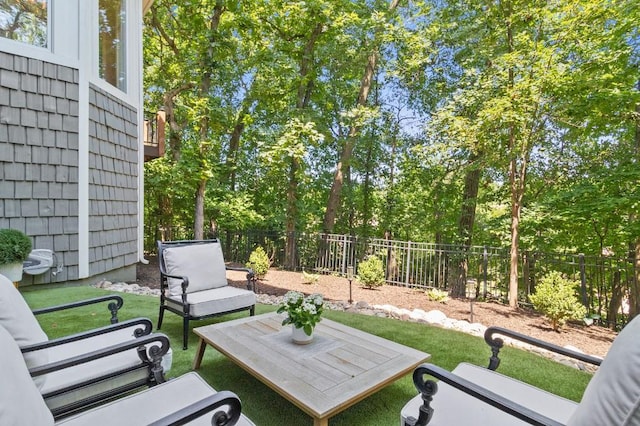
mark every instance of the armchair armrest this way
{"type": "Point", "coordinates": [208, 404]}
{"type": "Point", "coordinates": [114, 306]}
{"type": "Point", "coordinates": [164, 276]}
{"type": "Point", "coordinates": [251, 276]}
{"type": "Point", "coordinates": [156, 352]}
{"type": "Point", "coordinates": [428, 388]}
{"type": "Point", "coordinates": [497, 343]}
{"type": "Point", "coordinates": [145, 328]}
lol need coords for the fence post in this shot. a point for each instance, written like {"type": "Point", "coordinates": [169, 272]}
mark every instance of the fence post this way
{"type": "Point", "coordinates": [343, 268]}
{"type": "Point", "coordinates": [408, 273]}
{"type": "Point", "coordinates": [485, 267]}
{"type": "Point", "coordinates": [583, 281]}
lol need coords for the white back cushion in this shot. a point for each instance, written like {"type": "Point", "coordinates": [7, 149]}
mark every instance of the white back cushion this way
{"type": "Point", "coordinates": [203, 264]}
{"type": "Point", "coordinates": [613, 394]}
{"type": "Point", "coordinates": [16, 317]}
{"type": "Point", "coordinates": [20, 400]}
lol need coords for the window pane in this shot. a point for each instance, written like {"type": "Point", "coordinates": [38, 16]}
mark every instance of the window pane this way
{"type": "Point", "coordinates": [112, 53]}
{"type": "Point", "coordinates": [24, 20]}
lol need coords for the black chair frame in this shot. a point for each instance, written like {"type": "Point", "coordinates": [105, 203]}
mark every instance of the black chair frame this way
{"type": "Point", "coordinates": [115, 303]}
{"type": "Point", "coordinates": [429, 388]}
{"type": "Point", "coordinates": [156, 344]}
{"type": "Point", "coordinates": [185, 311]}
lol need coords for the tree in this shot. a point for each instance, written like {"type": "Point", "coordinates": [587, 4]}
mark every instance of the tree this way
{"type": "Point", "coordinates": [360, 114]}
{"type": "Point", "coordinates": [519, 63]}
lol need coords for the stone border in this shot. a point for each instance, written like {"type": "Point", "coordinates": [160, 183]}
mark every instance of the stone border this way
{"type": "Point", "coordinates": [435, 318]}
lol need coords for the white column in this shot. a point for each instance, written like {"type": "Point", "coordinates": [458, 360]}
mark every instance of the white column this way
{"type": "Point", "coordinates": [87, 27]}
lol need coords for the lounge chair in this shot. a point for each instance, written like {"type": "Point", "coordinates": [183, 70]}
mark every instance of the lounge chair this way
{"type": "Point", "coordinates": [184, 400]}
{"type": "Point", "coordinates": [63, 391]}
{"type": "Point", "coordinates": [475, 395]}
{"type": "Point", "coordinates": [193, 283]}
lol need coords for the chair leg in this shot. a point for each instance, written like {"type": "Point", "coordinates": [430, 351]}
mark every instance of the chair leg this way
{"type": "Point", "coordinates": [252, 311]}
{"type": "Point", "coordinates": [185, 333]}
{"type": "Point", "coordinates": [160, 317]}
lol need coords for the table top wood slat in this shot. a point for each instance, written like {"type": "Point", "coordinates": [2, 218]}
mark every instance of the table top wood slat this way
{"type": "Point", "coordinates": [340, 367]}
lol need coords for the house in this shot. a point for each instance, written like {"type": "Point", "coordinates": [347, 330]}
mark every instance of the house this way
{"type": "Point", "coordinates": [71, 132]}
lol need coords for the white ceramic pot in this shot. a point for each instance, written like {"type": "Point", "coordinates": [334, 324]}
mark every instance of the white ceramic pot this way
{"type": "Point", "coordinates": [13, 271]}
{"type": "Point", "coordinates": [299, 336]}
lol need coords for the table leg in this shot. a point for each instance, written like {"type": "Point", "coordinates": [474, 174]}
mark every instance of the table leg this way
{"type": "Point", "coordinates": [202, 345]}
{"type": "Point", "coordinates": [321, 422]}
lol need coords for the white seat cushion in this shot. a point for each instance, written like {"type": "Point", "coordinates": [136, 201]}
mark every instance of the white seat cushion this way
{"type": "Point", "coordinates": [16, 317]}
{"type": "Point", "coordinates": [202, 263]}
{"type": "Point", "coordinates": [613, 394]}
{"type": "Point", "coordinates": [151, 405]}
{"type": "Point", "coordinates": [20, 400]}
{"type": "Point", "coordinates": [454, 407]}
{"type": "Point", "coordinates": [218, 300]}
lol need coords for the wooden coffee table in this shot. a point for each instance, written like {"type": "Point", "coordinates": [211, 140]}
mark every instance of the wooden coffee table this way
{"type": "Point", "coordinates": [341, 366]}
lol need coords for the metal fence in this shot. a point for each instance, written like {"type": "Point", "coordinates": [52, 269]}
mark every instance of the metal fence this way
{"type": "Point", "coordinates": [604, 282]}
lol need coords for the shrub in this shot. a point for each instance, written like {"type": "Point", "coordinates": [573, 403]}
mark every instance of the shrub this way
{"type": "Point", "coordinates": [436, 295]}
{"type": "Point", "coordinates": [259, 262]}
{"type": "Point", "coordinates": [371, 272]}
{"type": "Point", "coordinates": [14, 246]}
{"type": "Point", "coordinates": [556, 298]}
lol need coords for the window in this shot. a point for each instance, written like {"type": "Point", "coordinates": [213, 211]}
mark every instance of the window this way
{"type": "Point", "coordinates": [25, 21]}
{"type": "Point", "coordinates": [112, 50]}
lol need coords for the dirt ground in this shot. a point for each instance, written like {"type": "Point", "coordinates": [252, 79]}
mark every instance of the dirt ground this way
{"type": "Point", "coordinates": [593, 340]}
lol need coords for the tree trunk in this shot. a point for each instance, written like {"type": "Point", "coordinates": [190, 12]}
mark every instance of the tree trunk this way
{"type": "Point", "coordinates": [205, 86]}
{"type": "Point", "coordinates": [366, 191]}
{"type": "Point", "coordinates": [234, 145]}
{"type": "Point", "coordinates": [175, 130]}
{"type": "Point", "coordinates": [517, 178]}
{"type": "Point", "coordinates": [198, 223]}
{"type": "Point", "coordinates": [302, 101]}
{"type": "Point", "coordinates": [292, 214]}
{"type": "Point", "coordinates": [347, 150]}
{"type": "Point", "coordinates": [459, 268]}
{"type": "Point", "coordinates": [469, 201]}
{"type": "Point", "coordinates": [513, 252]}
{"type": "Point", "coordinates": [616, 301]}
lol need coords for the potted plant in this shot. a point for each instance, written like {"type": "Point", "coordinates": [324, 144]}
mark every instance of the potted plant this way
{"type": "Point", "coordinates": [14, 250]}
{"type": "Point", "coordinates": [303, 313]}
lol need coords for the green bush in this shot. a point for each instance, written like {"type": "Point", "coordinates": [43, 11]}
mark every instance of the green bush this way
{"type": "Point", "coordinates": [14, 246]}
{"type": "Point", "coordinates": [371, 272]}
{"type": "Point", "coordinates": [436, 295]}
{"type": "Point", "coordinates": [556, 298]}
{"type": "Point", "coordinates": [259, 262]}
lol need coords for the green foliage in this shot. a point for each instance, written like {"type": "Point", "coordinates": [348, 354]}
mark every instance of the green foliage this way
{"type": "Point", "coordinates": [436, 295]}
{"type": "Point", "coordinates": [308, 278]}
{"type": "Point", "coordinates": [568, 113]}
{"type": "Point", "coordinates": [259, 262]}
{"type": "Point", "coordinates": [15, 246]}
{"type": "Point", "coordinates": [302, 312]}
{"type": "Point", "coordinates": [555, 296]}
{"type": "Point", "coordinates": [371, 272]}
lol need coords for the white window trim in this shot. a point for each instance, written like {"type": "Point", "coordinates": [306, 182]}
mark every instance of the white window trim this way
{"type": "Point", "coordinates": [132, 8]}
{"type": "Point", "coordinates": [64, 53]}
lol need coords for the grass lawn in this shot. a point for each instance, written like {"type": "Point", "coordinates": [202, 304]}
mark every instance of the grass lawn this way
{"type": "Point", "coordinates": [264, 406]}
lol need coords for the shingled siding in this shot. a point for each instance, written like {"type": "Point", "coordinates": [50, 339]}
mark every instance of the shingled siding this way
{"type": "Point", "coordinates": [39, 157]}
{"type": "Point", "coordinates": [113, 182]}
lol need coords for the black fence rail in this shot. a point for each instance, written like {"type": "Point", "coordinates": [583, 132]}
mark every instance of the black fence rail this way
{"type": "Point", "coordinates": [604, 283]}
